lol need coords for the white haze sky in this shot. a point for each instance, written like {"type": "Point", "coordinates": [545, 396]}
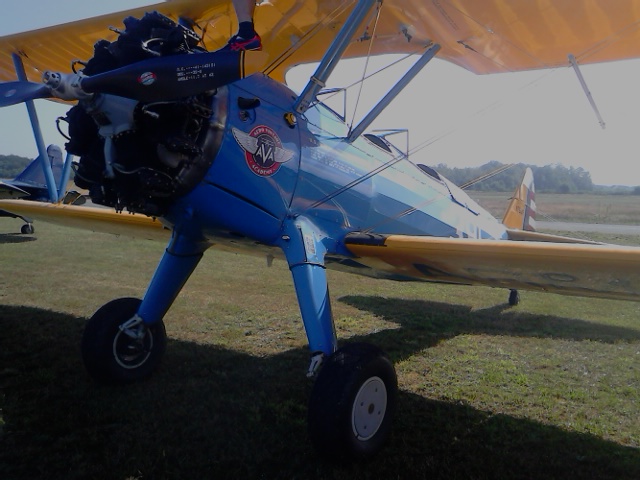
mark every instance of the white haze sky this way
{"type": "Point", "coordinates": [539, 118]}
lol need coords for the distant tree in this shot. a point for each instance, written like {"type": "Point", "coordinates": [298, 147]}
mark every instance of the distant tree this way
{"type": "Point", "coordinates": [12, 165]}
{"type": "Point", "coordinates": [636, 190]}
{"type": "Point", "coordinates": [581, 179]}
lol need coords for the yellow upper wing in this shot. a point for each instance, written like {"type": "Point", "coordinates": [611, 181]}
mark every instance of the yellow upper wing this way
{"type": "Point", "coordinates": [605, 271]}
{"type": "Point", "coordinates": [54, 48]}
{"type": "Point", "coordinates": [484, 36]}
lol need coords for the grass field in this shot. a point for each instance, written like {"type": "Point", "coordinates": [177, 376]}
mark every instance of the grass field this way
{"type": "Point", "coordinates": [587, 208]}
{"type": "Point", "coordinates": [545, 390]}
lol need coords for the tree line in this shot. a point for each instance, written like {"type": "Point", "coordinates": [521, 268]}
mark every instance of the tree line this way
{"type": "Point", "coordinates": [549, 179]}
{"type": "Point", "coordinates": [12, 165]}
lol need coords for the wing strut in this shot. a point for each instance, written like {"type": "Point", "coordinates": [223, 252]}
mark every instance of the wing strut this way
{"type": "Point", "coordinates": [331, 58]}
{"type": "Point", "coordinates": [37, 133]}
{"type": "Point", "coordinates": [393, 93]}
{"type": "Point", "coordinates": [575, 66]}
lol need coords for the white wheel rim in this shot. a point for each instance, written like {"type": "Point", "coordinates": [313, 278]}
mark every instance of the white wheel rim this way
{"type": "Point", "coordinates": [369, 408]}
{"type": "Point", "coordinates": [135, 359]}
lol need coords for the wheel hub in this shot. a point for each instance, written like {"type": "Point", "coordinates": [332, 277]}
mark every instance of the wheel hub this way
{"type": "Point", "coordinates": [131, 352]}
{"type": "Point", "coordinates": [369, 408]}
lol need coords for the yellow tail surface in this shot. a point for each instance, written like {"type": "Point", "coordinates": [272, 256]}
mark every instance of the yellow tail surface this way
{"type": "Point", "coordinates": [521, 213]}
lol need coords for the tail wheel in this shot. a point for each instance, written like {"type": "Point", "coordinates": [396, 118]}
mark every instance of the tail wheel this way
{"type": "Point", "coordinates": [352, 403]}
{"type": "Point", "coordinates": [514, 298]}
{"type": "Point", "coordinates": [117, 349]}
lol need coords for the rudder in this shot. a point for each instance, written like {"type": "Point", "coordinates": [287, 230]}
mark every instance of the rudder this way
{"type": "Point", "coordinates": [521, 212]}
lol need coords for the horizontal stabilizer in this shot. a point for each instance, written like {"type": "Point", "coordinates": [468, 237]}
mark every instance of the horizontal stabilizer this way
{"type": "Point", "coordinates": [528, 236]}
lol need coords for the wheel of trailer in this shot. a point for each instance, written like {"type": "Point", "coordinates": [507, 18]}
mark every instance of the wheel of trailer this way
{"type": "Point", "coordinates": [115, 354]}
{"type": "Point", "coordinates": [27, 229]}
{"type": "Point", "coordinates": [514, 298]}
{"type": "Point", "coordinates": [352, 403]}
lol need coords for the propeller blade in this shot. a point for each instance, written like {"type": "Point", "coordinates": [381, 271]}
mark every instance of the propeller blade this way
{"type": "Point", "coordinates": [12, 93]}
{"type": "Point", "coordinates": [170, 77]}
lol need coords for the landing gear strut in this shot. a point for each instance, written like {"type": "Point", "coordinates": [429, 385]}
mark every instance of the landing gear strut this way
{"type": "Point", "coordinates": [27, 228]}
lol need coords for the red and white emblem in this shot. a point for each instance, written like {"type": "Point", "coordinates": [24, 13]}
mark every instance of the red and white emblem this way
{"type": "Point", "coordinates": [147, 78]}
{"type": "Point", "coordinates": [262, 150]}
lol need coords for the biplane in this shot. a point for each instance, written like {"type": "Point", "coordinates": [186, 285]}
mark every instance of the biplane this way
{"type": "Point", "coordinates": [212, 145]}
{"type": "Point", "coordinates": [31, 185]}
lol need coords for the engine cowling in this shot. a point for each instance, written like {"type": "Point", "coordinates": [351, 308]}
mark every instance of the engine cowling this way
{"type": "Point", "coordinates": [141, 156]}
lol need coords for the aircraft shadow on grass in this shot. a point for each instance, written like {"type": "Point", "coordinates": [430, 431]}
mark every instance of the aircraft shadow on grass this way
{"type": "Point", "coordinates": [15, 238]}
{"type": "Point", "coordinates": [212, 412]}
{"type": "Point", "coordinates": [430, 322]}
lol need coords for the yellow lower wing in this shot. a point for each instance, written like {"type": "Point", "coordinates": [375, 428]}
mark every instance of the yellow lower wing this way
{"type": "Point", "coordinates": [89, 218]}
{"type": "Point", "coordinates": [591, 270]}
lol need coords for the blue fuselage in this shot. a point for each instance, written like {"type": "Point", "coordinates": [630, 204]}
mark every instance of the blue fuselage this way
{"type": "Point", "coordinates": [272, 165]}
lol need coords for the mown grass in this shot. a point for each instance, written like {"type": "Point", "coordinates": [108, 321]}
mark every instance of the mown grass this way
{"type": "Point", "coordinates": [587, 208]}
{"type": "Point", "coordinates": [548, 389]}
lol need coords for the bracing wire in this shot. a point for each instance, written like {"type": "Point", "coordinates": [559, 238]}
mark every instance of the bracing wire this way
{"type": "Point", "coordinates": [367, 77]}
{"type": "Point", "coordinates": [307, 36]}
{"type": "Point", "coordinates": [366, 65]}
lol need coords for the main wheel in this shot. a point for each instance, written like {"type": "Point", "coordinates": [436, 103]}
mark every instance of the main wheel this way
{"type": "Point", "coordinates": [116, 354]}
{"type": "Point", "coordinates": [352, 403]}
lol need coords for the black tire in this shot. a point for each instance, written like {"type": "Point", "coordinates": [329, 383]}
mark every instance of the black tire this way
{"type": "Point", "coordinates": [27, 229]}
{"type": "Point", "coordinates": [112, 357]}
{"type": "Point", "coordinates": [514, 298]}
{"type": "Point", "coordinates": [352, 403]}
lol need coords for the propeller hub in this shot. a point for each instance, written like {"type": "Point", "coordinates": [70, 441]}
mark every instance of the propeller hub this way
{"type": "Point", "coordinates": [66, 86]}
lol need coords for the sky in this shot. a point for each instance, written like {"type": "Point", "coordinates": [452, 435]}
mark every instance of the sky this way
{"type": "Point", "coordinates": [461, 119]}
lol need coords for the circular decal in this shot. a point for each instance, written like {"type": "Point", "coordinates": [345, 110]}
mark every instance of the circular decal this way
{"type": "Point", "coordinates": [263, 150]}
{"type": "Point", "coordinates": [147, 78]}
